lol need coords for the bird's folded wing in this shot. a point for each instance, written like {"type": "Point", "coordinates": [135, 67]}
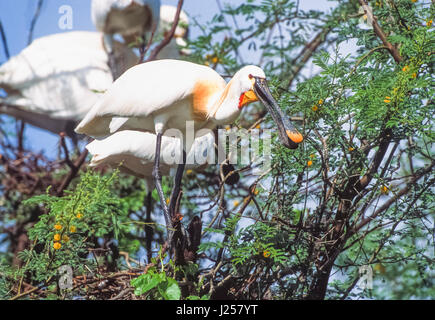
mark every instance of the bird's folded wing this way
{"type": "Point", "coordinates": [142, 91]}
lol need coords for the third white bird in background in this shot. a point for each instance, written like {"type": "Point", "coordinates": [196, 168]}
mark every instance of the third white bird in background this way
{"type": "Point", "coordinates": [132, 19]}
{"type": "Point", "coordinates": [177, 46]}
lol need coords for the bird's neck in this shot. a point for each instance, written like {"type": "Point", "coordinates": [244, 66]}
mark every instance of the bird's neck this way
{"type": "Point", "coordinates": [227, 104]}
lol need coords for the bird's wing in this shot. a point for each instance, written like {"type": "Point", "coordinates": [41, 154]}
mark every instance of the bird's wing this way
{"type": "Point", "coordinates": [136, 151]}
{"type": "Point", "coordinates": [143, 90]}
{"type": "Point", "coordinates": [62, 75]}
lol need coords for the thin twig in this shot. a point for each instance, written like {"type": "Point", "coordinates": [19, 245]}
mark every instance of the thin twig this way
{"type": "Point", "coordinates": [4, 41]}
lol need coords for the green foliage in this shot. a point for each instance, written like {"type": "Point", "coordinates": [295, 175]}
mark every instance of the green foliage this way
{"type": "Point", "coordinates": [72, 225]}
{"type": "Point", "coordinates": [157, 286]}
{"type": "Point", "coordinates": [358, 192]}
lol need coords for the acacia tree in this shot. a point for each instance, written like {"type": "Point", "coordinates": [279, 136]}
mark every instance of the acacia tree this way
{"type": "Point", "coordinates": [357, 195]}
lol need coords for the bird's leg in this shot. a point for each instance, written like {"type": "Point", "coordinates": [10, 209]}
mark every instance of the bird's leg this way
{"type": "Point", "coordinates": [158, 182]}
{"type": "Point", "coordinates": [176, 193]}
{"type": "Point", "coordinates": [177, 185]}
{"type": "Point", "coordinates": [148, 228]}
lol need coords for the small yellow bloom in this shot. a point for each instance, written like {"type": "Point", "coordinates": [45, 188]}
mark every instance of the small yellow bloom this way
{"type": "Point", "coordinates": [257, 126]}
{"type": "Point", "coordinates": [320, 101]}
{"type": "Point", "coordinates": [167, 200]}
{"type": "Point", "coordinates": [387, 97]}
{"type": "Point", "coordinates": [309, 163]}
{"type": "Point", "coordinates": [57, 226]}
{"type": "Point", "coordinates": [189, 171]}
{"type": "Point", "coordinates": [414, 75]}
{"type": "Point", "coordinates": [79, 215]}
{"type": "Point", "coordinates": [387, 101]}
{"type": "Point", "coordinates": [365, 17]}
{"type": "Point", "coordinates": [266, 253]}
{"type": "Point", "coordinates": [414, 1]}
{"type": "Point", "coordinates": [315, 108]}
{"type": "Point", "coordinates": [384, 190]}
{"type": "Point", "coordinates": [256, 192]}
{"type": "Point", "coordinates": [57, 245]}
{"type": "Point", "coordinates": [72, 229]}
{"type": "Point", "coordinates": [429, 23]}
{"type": "Point", "coordinates": [405, 68]}
{"type": "Point", "coordinates": [65, 238]}
{"type": "Point", "coordinates": [236, 203]}
{"type": "Point", "coordinates": [351, 149]}
{"type": "Point", "coordinates": [227, 128]}
{"type": "Point", "coordinates": [312, 156]}
{"type": "Point", "coordinates": [379, 268]}
{"type": "Point", "coordinates": [211, 58]}
{"type": "Point", "coordinates": [56, 237]}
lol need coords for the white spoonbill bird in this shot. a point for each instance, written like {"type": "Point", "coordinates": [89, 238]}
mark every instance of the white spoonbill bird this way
{"type": "Point", "coordinates": [55, 81]}
{"type": "Point", "coordinates": [164, 94]}
{"type": "Point", "coordinates": [131, 19]}
{"type": "Point", "coordinates": [177, 46]}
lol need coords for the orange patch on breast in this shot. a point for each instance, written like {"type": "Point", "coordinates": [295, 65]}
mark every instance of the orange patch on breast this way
{"type": "Point", "coordinates": [202, 92]}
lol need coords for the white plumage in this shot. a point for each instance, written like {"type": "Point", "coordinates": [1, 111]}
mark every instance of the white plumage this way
{"type": "Point", "coordinates": [58, 78]}
{"type": "Point", "coordinates": [135, 151]}
{"type": "Point", "coordinates": [165, 94]}
{"type": "Point", "coordinates": [177, 46]}
{"type": "Point", "coordinates": [145, 92]}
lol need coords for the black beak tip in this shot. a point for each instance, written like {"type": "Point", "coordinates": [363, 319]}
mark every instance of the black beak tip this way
{"type": "Point", "coordinates": [291, 144]}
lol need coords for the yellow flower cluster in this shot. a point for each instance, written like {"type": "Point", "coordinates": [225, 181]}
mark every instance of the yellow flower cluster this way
{"type": "Point", "coordinates": [211, 59]}
{"type": "Point", "coordinates": [58, 236]}
{"type": "Point", "coordinates": [310, 162]}
{"type": "Point", "coordinates": [387, 99]}
{"type": "Point", "coordinates": [316, 106]}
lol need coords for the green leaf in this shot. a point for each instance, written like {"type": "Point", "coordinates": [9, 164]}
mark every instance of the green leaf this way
{"type": "Point", "coordinates": [173, 291]}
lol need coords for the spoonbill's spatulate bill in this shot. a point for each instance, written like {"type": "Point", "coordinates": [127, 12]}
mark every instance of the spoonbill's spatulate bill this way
{"type": "Point", "coordinates": [165, 94]}
{"type": "Point", "coordinates": [57, 79]}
